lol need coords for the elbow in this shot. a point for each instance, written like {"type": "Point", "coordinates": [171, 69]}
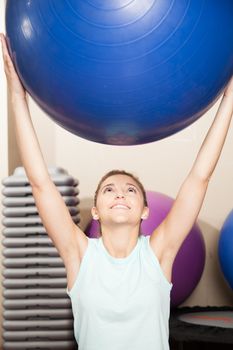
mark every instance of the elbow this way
{"type": "Point", "coordinates": [38, 180]}
{"type": "Point", "coordinates": [40, 183]}
{"type": "Point", "coordinates": [201, 176]}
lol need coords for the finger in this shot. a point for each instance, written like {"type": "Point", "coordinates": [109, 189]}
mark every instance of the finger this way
{"type": "Point", "coordinates": [4, 46]}
{"type": "Point", "coordinates": [2, 42]}
{"type": "Point", "coordinates": [6, 57]}
{"type": "Point", "coordinates": [5, 51]}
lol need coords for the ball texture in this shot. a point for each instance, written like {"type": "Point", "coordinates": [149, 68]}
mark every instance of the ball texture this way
{"type": "Point", "coordinates": [190, 260]}
{"type": "Point", "coordinates": [225, 249]}
{"type": "Point", "coordinates": [122, 72]}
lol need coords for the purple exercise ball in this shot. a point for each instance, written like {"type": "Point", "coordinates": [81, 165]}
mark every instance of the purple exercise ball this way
{"type": "Point", "coordinates": [190, 259]}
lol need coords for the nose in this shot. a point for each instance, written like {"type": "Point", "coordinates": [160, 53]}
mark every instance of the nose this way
{"type": "Point", "coordinates": [120, 195]}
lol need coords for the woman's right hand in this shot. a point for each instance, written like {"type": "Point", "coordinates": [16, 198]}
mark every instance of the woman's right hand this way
{"type": "Point", "coordinates": [15, 86]}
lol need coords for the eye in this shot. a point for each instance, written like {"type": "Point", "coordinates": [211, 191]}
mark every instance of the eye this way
{"type": "Point", "coordinates": [108, 189]}
{"type": "Point", "coordinates": [132, 189]}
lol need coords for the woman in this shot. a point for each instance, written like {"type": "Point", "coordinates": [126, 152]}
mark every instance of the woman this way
{"type": "Point", "coordinates": [119, 284]}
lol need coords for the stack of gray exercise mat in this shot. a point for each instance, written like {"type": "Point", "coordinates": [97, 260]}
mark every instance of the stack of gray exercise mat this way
{"type": "Point", "coordinates": [36, 309]}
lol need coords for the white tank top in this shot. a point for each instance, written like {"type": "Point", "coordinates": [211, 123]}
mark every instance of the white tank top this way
{"type": "Point", "coordinates": [121, 303]}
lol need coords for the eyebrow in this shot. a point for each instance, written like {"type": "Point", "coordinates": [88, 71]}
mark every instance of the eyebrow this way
{"type": "Point", "coordinates": [111, 184]}
{"type": "Point", "coordinates": [127, 184]}
{"type": "Point", "coordinates": [130, 184]}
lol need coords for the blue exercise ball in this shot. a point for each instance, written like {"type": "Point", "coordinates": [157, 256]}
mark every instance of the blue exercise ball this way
{"type": "Point", "coordinates": [122, 72]}
{"type": "Point", "coordinates": [225, 249]}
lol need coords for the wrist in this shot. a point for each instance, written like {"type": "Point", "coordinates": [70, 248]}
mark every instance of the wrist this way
{"type": "Point", "coordinates": [17, 98]}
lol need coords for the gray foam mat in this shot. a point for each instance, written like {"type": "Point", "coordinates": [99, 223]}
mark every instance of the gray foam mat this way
{"type": "Point", "coordinates": [34, 282]}
{"type": "Point", "coordinates": [33, 262]}
{"type": "Point", "coordinates": [34, 272]}
{"type": "Point", "coordinates": [35, 293]}
{"type": "Point", "coordinates": [38, 324]}
{"type": "Point", "coordinates": [30, 252]}
{"type": "Point", "coordinates": [37, 312]}
{"type": "Point", "coordinates": [35, 303]}
{"type": "Point", "coordinates": [24, 231]}
{"type": "Point", "coordinates": [27, 242]}
{"type": "Point", "coordinates": [34, 314]}
{"type": "Point", "coordinates": [27, 190]}
{"type": "Point", "coordinates": [38, 335]}
{"type": "Point", "coordinates": [22, 222]}
{"type": "Point", "coordinates": [52, 170]}
{"type": "Point", "coordinates": [30, 211]}
{"type": "Point", "coordinates": [30, 201]}
{"type": "Point", "coordinates": [28, 221]}
{"type": "Point", "coordinates": [58, 179]}
{"type": "Point", "coordinates": [40, 345]}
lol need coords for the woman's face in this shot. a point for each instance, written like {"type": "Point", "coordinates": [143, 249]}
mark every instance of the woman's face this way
{"type": "Point", "coordinates": [120, 200]}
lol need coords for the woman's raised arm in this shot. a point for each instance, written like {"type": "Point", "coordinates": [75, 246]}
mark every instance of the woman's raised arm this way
{"type": "Point", "coordinates": [67, 237]}
{"type": "Point", "coordinates": [168, 237]}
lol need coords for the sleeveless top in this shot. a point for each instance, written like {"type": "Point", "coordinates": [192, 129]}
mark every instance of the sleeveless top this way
{"type": "Point", "coordinates": [121, 303]}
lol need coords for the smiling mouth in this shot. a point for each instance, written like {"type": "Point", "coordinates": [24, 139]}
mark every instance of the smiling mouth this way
{"type": "Point", "coordinates": [120, 206]}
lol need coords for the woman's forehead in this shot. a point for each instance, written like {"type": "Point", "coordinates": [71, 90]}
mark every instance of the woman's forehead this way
{"type": "Point", "coordinates": [119, 179]}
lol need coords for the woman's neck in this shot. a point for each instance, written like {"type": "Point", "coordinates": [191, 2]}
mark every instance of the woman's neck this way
{"type": "Point", "coordinates": [120, 241]}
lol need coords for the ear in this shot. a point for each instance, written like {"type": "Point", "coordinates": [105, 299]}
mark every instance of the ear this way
{"type": "Point", "coordinates": [94, 213]}
{"type": "Point", "coordinates": [145, 213]}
